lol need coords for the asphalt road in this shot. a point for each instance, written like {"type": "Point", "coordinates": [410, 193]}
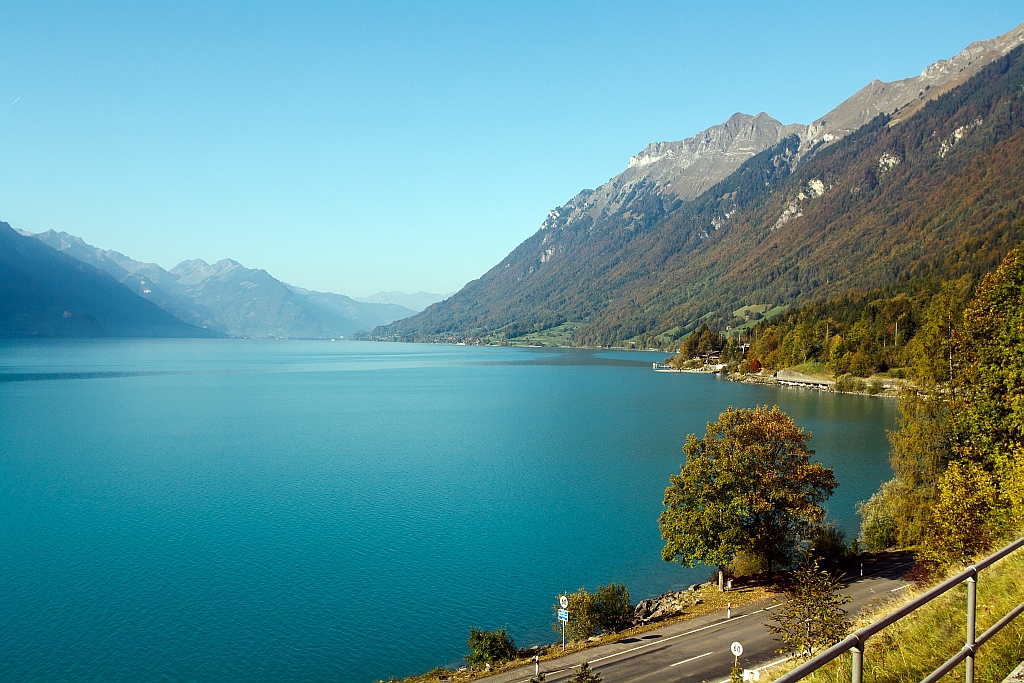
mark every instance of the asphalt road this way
{"type": "Point", "coordinates": [698, 649]}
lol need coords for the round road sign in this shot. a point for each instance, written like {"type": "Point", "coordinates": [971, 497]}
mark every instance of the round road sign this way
{"type": "Point", "coordinates": [563, 601]}
{"type": "Point", "coordinates": [736, 649]}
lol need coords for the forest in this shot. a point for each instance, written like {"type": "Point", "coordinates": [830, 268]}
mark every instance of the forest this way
{"type": "Point", "coordinates": [903, 331]}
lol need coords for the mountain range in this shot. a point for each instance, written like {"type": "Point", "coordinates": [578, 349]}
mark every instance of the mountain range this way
{"type": "Point", "coordinates": [901, 180]}
{"type": "Point", "coordinates": [45, 293]}
{"type": "Point", "coordinates": [908, 179]}
{"type": "Point", "coordinates": [227, 298]}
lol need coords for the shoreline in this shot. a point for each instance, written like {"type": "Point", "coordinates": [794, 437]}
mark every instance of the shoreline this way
{"type": "Point", "coordinates": [795, 380]}
{"type": "Point", "coordinates": [888, 391]}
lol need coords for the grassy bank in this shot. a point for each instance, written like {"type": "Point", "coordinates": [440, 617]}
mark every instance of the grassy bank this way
{"type": "Point", "coordinates": [916, 645]}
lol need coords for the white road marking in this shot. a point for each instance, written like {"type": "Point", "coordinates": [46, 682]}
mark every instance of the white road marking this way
{"type": "Point", "coordinates": [692, 658]}
{"type": "Point", "coordinates": [686, 633]}
{"type": "Point", "coordinates": [665, 640]}
{"type": "Point", "coordinates": [900, 588]}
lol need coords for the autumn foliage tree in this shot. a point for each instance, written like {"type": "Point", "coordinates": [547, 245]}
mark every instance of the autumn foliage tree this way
{"type": "Point", "coordinates": [988, 408]}
{"type": "Point", "coordinates": [963, 524]}
{"type": "Point", "coordinates": [748, 484]}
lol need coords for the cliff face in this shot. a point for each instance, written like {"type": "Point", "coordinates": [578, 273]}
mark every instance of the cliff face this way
{"type": "Point", "coordinates": [687, 168]}
{"type": "Point", "coordinates": [666, 173]}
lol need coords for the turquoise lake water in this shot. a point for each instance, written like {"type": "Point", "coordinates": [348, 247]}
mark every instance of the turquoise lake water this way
{"type": "Point", "coordinates": [229, 510]}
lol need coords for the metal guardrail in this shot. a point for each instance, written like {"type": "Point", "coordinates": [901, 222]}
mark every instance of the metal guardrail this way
{"type": "Point", "coordinates": [855, 642]}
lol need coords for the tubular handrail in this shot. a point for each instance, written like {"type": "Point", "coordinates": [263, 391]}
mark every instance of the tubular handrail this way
{"type": "Point", "coordinates": [856, 640]}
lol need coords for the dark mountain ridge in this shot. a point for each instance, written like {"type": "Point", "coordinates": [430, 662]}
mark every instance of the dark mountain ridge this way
{"type": "Point", "coordinates": [44, 293]}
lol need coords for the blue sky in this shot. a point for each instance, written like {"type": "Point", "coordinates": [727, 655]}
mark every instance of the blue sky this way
{"type": "Point", "coordinates": [354, 147]}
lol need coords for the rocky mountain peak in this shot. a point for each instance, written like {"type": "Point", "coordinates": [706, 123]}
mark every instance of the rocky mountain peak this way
{"type": "Point", "coordinates": [901, 99]}
{"type": "Point", "coordinates": [734, 137]}
{"type": "Point", "coordinates": [686, 168]}
{"type": "Point", "coordinates": [680, 170]}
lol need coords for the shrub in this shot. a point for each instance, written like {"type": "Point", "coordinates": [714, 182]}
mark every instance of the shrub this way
{"type": "Point", "coordinates": [963, 519]}
{"type": "Point", "coordinates": [583, 674]}
{"type": "Point", "coordinates": [827, 544]}
{"type": "Point", "coordinates": [878, 525]}
{"type": "Point", "coordinates": [848, 383]}
{"type": "Point", "coordinates": [813, 619]}
{"type": "Point", "coordinates": [744, 564]}
{"type": "Point", "coordinates": [875, 386]}
{"type": "Point", "coordinates": [490, 647]}
{"type": "Point", "coordinates": [612, 606]}
{"type": "Point", "coordinates": [606, 609]}
{"type": "Point", "coordinates": [584, 617]}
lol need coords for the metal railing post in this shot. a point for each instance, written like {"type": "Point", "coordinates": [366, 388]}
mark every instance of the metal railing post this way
{"type": "Point", "coordinates": [857, 662]}
{"type": "Point", "coordinates": [855, 643]}
{"type": "Point", "coordinates": [972, 608]}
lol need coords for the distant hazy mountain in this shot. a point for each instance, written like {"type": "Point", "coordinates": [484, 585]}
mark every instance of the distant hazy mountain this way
{"type": "Point", "coordinates": [148, 280]}
{"type": "Point", "coordinates": [360, 315]}
{"type": "Point", "coordinates": [230, 298]}
{"type": "Point", "coordinates": [416, 302]}
{"type": "Point", "coordinates": [44, 293]}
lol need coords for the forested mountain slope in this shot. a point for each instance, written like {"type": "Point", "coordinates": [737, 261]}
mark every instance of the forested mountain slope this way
{"type": "Point", "coordinates": [938, 193]}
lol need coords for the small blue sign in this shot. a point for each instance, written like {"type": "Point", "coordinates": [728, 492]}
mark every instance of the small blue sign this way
{"type": "Point", "coordinates": [563, 615]}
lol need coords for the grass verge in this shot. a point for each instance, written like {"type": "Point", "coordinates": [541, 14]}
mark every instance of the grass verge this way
{"type": "Point", "coordinates": [919, 643]}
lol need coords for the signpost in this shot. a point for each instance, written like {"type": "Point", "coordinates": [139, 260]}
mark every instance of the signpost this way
{"type": "Point", "coordinates": [563, 615]}
{"type": "Point", "coordinates": [736, 650]}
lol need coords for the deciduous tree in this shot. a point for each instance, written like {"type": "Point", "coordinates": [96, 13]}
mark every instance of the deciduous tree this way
{"type": "Point", "coordinates": [750, 484]}
{"type": "Point", "coordinates": [988, 411]}
{"type": "Point", "coordinates": [962, 523]}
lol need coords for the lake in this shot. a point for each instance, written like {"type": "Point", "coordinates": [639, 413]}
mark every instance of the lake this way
{"type": "Point", "coordinates": [211, 510]}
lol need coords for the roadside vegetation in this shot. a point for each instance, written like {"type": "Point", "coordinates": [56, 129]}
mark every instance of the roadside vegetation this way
{"type": "Point", "coordinates": [916, 645]}
{"type": "Point", "coordinates": [958, 489]}
{"type": "Point", "coordinates": [958, 457]}
{"type": "Point", "coordinates": [702, 600]}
